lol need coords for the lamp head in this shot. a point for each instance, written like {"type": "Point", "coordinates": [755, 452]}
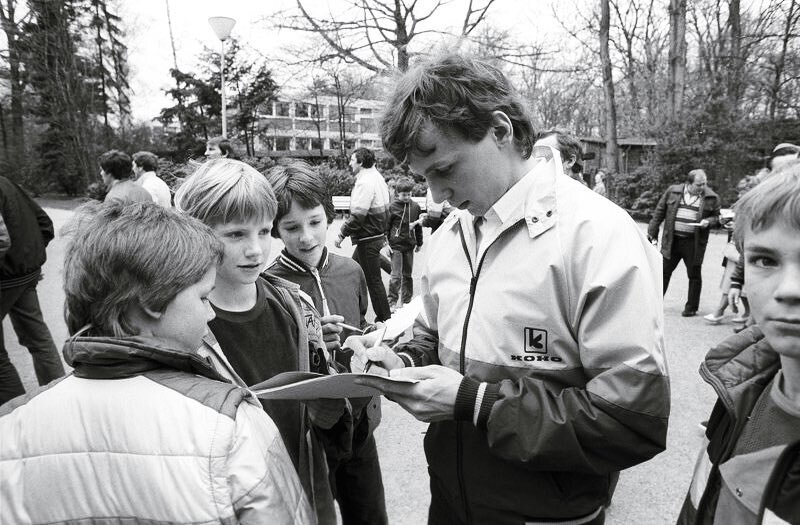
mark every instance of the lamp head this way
{"type": "Point", "coordinates": [222, 26]}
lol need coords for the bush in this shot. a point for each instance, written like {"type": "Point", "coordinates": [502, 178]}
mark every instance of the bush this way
{"type": "Point", "coordinates": [636, 192]}
{"type": "Point", "coordinates": [338, 181]}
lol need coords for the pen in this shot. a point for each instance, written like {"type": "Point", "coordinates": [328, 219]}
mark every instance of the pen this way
{"type": "Point", "coordinates": [377, 343]}
{"type": "Point", "coordinates": [349, 327]}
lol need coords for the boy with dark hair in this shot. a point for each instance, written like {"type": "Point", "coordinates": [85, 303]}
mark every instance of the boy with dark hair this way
{"type": "Point", "coordinates": [405, 238]}
{"type": "Point", "coordinates": [264, 326]}
{"type": "Point", "coordinates": [143, 428]}
{"type": "Point", "coordinates": [748, 470]}
{"type": "Point", "coordinates": [116, 169]}
{"type": "Point", "coordinates": [338, 288]}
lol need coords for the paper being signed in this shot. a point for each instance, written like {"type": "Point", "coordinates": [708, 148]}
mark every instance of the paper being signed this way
{"type": "Point", "coordinates": [310, 385]}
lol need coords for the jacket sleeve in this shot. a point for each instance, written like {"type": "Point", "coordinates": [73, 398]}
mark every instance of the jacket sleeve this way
{"type": "Point", "coordinates": [619, 417]}
{"type": "Point", "coordinates": [360, 202]}
{"type": "Point", "coordinates": [418, 227]}
{"type": "Point", "coordinates": [263, 482]}
{"type": "Point", "coordinates": [5, 239]}
{"type": "Point", "coordinates": [658, 217]}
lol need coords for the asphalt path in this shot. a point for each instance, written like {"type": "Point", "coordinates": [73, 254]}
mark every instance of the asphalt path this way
{"type": "Point", "coordinates": [651, 493]}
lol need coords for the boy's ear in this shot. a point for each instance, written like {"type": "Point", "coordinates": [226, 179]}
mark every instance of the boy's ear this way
{"type": "Point", "coordinates": [150, 312]}
{"type": "Point", "coordinates": [502, 129]}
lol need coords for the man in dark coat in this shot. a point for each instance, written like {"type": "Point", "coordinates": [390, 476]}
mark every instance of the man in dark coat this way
{"type": "Point", "coordinates": [688, 212]}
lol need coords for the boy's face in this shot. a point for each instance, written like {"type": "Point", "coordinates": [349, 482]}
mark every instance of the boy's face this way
{"type": "Point", "coordinates": [213, 151]}
{"type": "Point", "coordinates": [404, 196]}
{"type": "Point", "coordinates": [183, 323]}
{"type": "Point", "coordinates": [246, 251]}
{"type": "Point", "coordinates": [772, 267]}
{"type": "Point", "coordinates": [303, 231]}
{"type": "Point", "coordinates": [470, 175]}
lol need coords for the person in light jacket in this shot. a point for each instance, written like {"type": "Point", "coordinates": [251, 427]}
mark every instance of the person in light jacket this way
{"type": "Point", "coordinates": [144, 429]}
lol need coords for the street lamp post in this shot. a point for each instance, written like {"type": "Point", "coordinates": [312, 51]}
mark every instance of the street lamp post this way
{"type": "Point", "coordinates": [222, 26]}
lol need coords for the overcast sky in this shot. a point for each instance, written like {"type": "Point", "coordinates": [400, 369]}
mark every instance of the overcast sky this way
{"type": "Point", "coordinates": [150, 55]}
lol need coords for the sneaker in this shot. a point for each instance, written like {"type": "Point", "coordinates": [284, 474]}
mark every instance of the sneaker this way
{"type": "Point", "coordinates": [688, 313]}
{"type": "Point", "coordinates": [713, 319]}
{"type": "Point", "coordinates": [739, 319]}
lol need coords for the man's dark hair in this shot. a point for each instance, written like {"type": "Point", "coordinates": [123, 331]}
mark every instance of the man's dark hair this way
{"type": "Point", "coordinates": [365, 157]}
{"type": "Point", "coordinates": [116, 163]}
{"type": "Point", "coordinates": [146, 160]}
{"type": "Point", "coordinates": [404, 185]}
{"type": "Point", "coordinates": [296, 181]}
{"type": "Point", "coordinates": [568, 146]}
{"type": "Point", "coordinates": [456, 94]}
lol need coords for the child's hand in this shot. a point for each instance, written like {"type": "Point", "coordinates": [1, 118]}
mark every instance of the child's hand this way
{"type": "Point", "coordinates": [331, 331]}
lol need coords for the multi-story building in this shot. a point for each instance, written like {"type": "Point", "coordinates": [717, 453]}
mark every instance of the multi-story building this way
{"type": "Point", "coordinates": [301, 127]}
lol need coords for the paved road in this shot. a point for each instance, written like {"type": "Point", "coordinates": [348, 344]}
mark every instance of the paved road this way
{"type": "Point", "coordinates": [648, 494]}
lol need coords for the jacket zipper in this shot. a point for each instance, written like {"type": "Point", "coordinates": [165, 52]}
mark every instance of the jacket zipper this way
{"type": "Point", "coordinates": [473, 284]}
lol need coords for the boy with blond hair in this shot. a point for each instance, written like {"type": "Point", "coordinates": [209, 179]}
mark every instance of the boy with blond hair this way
{"type": "Point", "coordinates": [749, 468]}
{"type": "Point", "coordinates": [338, 288]}
{"type": "Point", "coordinates": [144, 427]}
{"type": "Point", "coordinates": [263, 326]}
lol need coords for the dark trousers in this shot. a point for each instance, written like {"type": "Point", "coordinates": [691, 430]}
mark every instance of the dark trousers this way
{"type": "Point", "coordinates": [683, 250]}
{"type": "Point", "coordinates": [368, 255]}
{"type": "Point", "coordinates": [401, 280]}
{"type": "Point", "coordinates": [443, 511]}
{"type": "Point", "coordinates": [358, 486]}
{"type": "Point", "coordinates": [22, 305]}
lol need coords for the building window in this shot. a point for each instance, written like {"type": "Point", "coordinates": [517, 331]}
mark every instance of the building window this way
{"type": "Point", "coordinates": [282, 143]}
{"type": "Point", "coordinates": [301, 110]}
{"type": "Point", "coordinates": [314, 111]}
{"type": "Point", "coordinates": [317, 144]}
{"type": "Point", "coordinates": [301, 143]}
{"type": "Point", "coordinates": [365, 112]}
{"type": "Point", "coordinates": [282, 109]}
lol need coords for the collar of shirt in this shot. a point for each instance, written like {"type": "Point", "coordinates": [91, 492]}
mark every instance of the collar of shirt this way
{"type": "Point", "coordinates": [533, 198]}
{"type": "Point", "coordinates": [297, 265]}
{"type": "Point", "coordinates": [688, 196]}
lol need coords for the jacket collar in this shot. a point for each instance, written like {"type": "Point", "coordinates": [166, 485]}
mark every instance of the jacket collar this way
{"type": "Point", "coordinates": [738, 364]}
{"type": "Point", "coordinates": [538, 204]}
{"type": "Point", "coordinates": [122, 357]}
{"type": "Point", "coordinates": [295, 264]}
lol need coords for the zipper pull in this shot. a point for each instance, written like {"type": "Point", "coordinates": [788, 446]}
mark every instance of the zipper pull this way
{"type": "Point", "coordinates": [472, 284]}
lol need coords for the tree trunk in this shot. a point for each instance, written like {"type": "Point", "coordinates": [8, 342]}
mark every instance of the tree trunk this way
{"type": "Point", "coordinates": [677, 58]}
{"type": "Point", "coordinates": [102, 69]}
{"type": "Point", "coordinates": [612, 151]}
{"type": "Point", "coordinates": [736, 63]}
{"type": "Point", "coordinates": [16, 146]}
{"type": "Point", "coordinates": [780, 62]}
